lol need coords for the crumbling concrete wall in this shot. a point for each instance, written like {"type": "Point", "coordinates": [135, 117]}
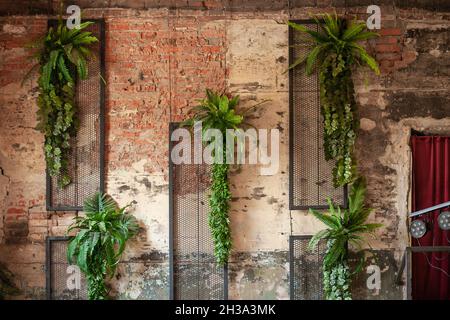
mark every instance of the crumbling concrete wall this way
{"type": "Point", "coordinates": [158, 62]}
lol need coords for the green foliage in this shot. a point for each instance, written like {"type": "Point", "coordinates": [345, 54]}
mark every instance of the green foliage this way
{"type": "Point", "coordinates": [335, 52]}
{"type": "Point", "coordinates": [218, 220]}
{"type": "Point", "coordinates": [100, 241]}
{"type": "Point", "coordinates": [344, 227]}
{"type": "Point", "coordinates": [217, 111]}
{"type": "Point", "coordinates": [7, 285]}
{"type": "Point", "coordinates": [336, 282]}
{"type": "Point", "coordinates": [61, 55]}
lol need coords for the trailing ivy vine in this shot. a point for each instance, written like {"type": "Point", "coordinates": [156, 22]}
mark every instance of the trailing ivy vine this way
{"type": "Point", "coordinates": [345, 228]}
{"type": "Point", "coordinates": [62, 56]}
{"type": "Point", "coordinates": [336, 53]}
{"type": "Point", "coordinates": [218, 220]}
{"type": "Point", "coordinates": [218, 111]}
{"type": "Point", "coordinates": [337, 281]}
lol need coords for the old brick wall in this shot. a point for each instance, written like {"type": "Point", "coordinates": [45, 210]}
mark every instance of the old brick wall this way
{"type": "Point", "coordinates": [158, 62]}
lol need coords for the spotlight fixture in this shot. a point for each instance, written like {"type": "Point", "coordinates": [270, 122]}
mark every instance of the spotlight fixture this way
{"type": "Point", "coordinates": [418, 229]}
{"type": "Point", "coordinates": [444, 220]}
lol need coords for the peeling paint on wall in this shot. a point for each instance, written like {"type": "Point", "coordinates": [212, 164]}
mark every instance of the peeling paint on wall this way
{"type": "Point", "coordinates": [157, 66]}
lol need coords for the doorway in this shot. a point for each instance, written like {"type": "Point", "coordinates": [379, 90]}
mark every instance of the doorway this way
{"type": "Point", "coordinates": [430, 186]}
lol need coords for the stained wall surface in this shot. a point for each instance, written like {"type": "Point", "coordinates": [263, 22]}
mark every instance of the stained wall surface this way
{"type": "Point", "coordinates": [158, 63]}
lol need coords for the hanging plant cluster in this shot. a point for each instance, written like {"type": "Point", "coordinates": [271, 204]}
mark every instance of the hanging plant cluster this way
{"type": "Point", "coordinates": [344, 227]}
{"type": "Point", "coordinates": [335, 53]}
{"type": "Point", "coordinates": [62, 59]}
{"type": "Point", "coordinates": [218, 111]}
{"type": "Point", "coordinates": [101, 238]}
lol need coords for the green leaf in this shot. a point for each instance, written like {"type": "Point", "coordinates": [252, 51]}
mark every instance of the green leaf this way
{"type": "Point", "coordinates": [365, 57]}
{"type": "Point", "coordinates": [54, 58]}
{"type": "Point", "coordinates": [296, 63]}
{"type": "Point", "coordinates": [365, 36]}
{"type": "Point", "coordinates": [312, 57]}
{"type": "Point", "coordinates": [323, 234]}
{"type": "Point", "coordinates": [83, 256]}
{"type": "Point", "coordinates": [45, 77]}
{"type": "Point", "coordinates": [353, 30]}
{"type": "Point", "coordinates": [74, 243]}
{"type": "Point", "coordinates": [62, 67]}
{"type": "Point", "coordinates": [81, 67]}
{"type": "Point", "coordinates": [329, 221]}
{"type": "Point", "coordinates": [296, 26]}
{"type": "Point", "coordinates": [100, 241]}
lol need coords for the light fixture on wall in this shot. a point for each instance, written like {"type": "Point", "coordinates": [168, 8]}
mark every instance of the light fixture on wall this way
{"type": "Point", "coordinates": [444, 220]}
{"type": "Point", "coordinates": [418, 229]}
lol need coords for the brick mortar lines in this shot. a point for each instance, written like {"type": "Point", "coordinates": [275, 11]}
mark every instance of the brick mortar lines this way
{"type": "Point", "coordinates": [291, 12]}
{"type": "Point", "coordinates": [202, 6]}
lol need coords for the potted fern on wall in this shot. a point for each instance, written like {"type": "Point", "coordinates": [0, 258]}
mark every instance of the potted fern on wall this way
{"type": "Point", "coordinates": [336, 53]}
{"type": "Point", "coordinates": [100, 241]}
{"type": "Point", "coordinates": [345, 230]}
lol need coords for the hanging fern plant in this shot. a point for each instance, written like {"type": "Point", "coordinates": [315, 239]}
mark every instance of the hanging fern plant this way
{"type": "Point", "coordinates": [218, 111]}
{"type": "Point", "coordinates": [345, 227]}
{"type": "Point", "coordinates": [100, 241]}
{"type": "Point", "coordinates": [62, 56]}
{"type": "Point", "coordinates": [335, 53]}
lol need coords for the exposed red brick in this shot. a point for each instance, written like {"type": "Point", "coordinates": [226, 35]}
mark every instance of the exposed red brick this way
{"type": "Point", "coordinates": [390, 32]}
{"type": "Point", "coordinates": [389, 56]}
{"type": "Point", "coordinates": [387, 40]}
{"type": "Point", "coordinates": [387, 48]}
{"type": "Point", "coordinates": [16, 211]}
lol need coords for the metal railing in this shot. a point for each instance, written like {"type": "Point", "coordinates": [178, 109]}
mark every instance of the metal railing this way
{"type": "Point", "coordinates": [429, 209]}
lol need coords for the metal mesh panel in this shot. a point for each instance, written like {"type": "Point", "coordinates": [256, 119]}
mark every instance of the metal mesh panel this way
{"type": "Point", "coordinates": [64, 281]}
{"type": "Point", "coordinates": [305, 269]}
{"type": "Point", "coordinates": [196, 275]}
{"type": "Point", "coordinates": [86, 158]}
{"type": "Point", "coordinates": [311, 180]}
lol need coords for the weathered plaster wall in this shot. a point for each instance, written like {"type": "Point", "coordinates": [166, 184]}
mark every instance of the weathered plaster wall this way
{"type": "Point", "coordinates": [158, 63]}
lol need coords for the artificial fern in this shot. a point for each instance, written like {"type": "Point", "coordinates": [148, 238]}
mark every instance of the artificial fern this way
{"type": "Point", "coordinates": [217, 111]}
{"type": "Point", "coordinates": [100, 241]}
{"type": "Point", "coordinates": [61, 55]}
{"type": "Point", "coordinates": [344, 227]}
{"type": "Point", "coordinates": [336, 52]}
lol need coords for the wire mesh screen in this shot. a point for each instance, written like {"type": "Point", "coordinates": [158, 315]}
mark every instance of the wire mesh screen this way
{"type": "Point", "coordinates": [86, 158]}
{"type": "Point", "coordinates": [311, 180]}
{"type": "Point", "coordinates": [195, 273]}
{"type": "Point", "coordinates": [64, 281]}
{"type": "Point", "coordinates": [305, 269]}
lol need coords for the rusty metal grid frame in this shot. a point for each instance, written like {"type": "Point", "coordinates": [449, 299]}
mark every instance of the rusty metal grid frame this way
{"type": "Point", "coordinates": [50, 205]}
{"type": "Point", "coordinates": [173, 285]}
{"type": "Point", "coordinates": [303, 241]}
{"type": "Point", "coordinates": [293, 140]}
{"type": "Point", "coordinates": [49, 263]}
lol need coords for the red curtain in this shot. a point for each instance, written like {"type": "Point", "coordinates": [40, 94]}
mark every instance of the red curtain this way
{"type": "Point", "coordinates": [431, 186]}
